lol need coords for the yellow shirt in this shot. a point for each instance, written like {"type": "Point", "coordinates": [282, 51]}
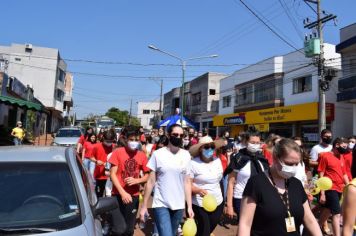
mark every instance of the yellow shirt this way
{"type": "Point", "coordinates": [18, 132]}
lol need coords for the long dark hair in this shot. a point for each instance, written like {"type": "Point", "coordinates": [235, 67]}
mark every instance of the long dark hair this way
{"type": "Point", "coordinates": [87, 134]}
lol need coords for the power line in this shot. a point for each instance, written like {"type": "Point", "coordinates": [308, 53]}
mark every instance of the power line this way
{"type": "Point", "coordinates": [272, 30]}
{"type": "Point", "coordinates": [284, 6]}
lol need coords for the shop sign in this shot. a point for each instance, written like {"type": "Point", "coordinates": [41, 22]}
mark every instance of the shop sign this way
{"type": "Point", "coordinates": [235, 120]}
{"type": "Point", "coordinates": [301, 112]}
{"type": "Point", "coordinates": [262, 127]}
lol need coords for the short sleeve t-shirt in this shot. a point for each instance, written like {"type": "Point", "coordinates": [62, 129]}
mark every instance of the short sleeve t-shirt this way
{"type": "Point", "coordinates": [270, 213]}
{"type": "Point", "coordinates": [317, 149]}
{"type": "Point", "coordinates": [18, 132]}
{"type": "Point", "coordinates": [206, 176]}
{"type": "Point", "coordinates": [333, 168]}
{"type": "Point", "coordinates": [88, 146]}
{"type": "Point", "coordinates": [171, 170]}
{"type": "Point", "coordinates": [129, 165]}
{"type": "Point", "coordinates": [100, 153]}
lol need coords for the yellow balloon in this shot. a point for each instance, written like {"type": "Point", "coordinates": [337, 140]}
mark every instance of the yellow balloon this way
{"type": "Point", "coordinates": [324, 183]}
{"type": "Point", "coordinates": [189, 228]}
{"type": "Point", "coordinates": [209, 203]}
{"type": "Point", "coordinates": [140, 198]}
{"type": "Point", "coordinates": [315, 191]}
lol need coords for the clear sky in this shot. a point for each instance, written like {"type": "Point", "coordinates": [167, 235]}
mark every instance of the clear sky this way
{"type": "Point", "coordinates": [119, 31]}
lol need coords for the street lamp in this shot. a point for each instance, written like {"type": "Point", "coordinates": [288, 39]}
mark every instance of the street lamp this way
{"type": "Point", "coordinates": [183, 63]}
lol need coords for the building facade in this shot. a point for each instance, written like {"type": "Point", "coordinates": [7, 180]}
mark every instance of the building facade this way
{"type": "Point", "coordinates": [280, 95]}
{"type": "Point", "coordinates": [145, 113]}
{"type": "Point", "coordinates": [347, 81]}
{"type": "Point", "coordinates": [45, 71]}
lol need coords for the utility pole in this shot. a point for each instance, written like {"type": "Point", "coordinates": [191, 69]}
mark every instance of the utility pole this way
{"type": "Point", "coordinates": [160, 99]}
{"type": "Point", "coordinates": [323, 84]}
{"type": "Point", "coordinates": [130, 112]}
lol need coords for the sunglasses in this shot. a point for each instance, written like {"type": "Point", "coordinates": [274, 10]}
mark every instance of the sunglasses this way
{"type": "Point", "coordinates": [207, 146]}
{"type": "Point", "coordinates": [177, 135]}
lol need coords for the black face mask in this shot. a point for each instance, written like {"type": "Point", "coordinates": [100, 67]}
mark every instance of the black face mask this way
{"type": "Point", "coordinates": [342, 150]}
{"type": "Point", "coordinates": [176, 141]}
{"type": "Point", "coordinates": [327, 140]}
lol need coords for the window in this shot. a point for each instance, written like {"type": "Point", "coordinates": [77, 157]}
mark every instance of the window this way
{"type": "Point", "coordinates": [265, 91]}
{"type": "Point", "coordinates": [59, 95]}
{"type": "Point", "coordinates": [227, 101]}
{"type": "Point", "coordinates": [244, 95]}
{"type": "Point", "coordinates": [303, 84]}
{"type": "Point", "coordinates": [211, 91]}
{"type": "Point", "coordinates": [61, 75]}
{"type": "Point", "coordinates": [196, 99]}
{"type": "Point", "coordinates": [146, 112]}
{"type": "Point", "coordinates": [17, 59]}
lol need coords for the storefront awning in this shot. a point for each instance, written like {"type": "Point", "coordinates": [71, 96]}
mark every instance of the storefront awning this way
{"type": "Point", "coordinates": [21, 103]}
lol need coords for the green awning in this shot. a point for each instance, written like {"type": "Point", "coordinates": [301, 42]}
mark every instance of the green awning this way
{"type": "Point", "coordinates": [21, 103]}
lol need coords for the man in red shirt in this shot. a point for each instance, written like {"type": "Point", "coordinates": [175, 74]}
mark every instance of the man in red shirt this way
{"type": "Point", "coordinates": [126, 165]}
{"type": "Point", "coordinates": [331, 164]}
{"type": "Point", "coordinates": [193, 140]}
{"type": "Point", "coordinates": [100, 152]}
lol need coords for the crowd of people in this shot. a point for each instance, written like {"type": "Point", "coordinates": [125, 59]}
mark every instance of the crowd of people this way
{"type": "Point", "coordinates": [263, 185]}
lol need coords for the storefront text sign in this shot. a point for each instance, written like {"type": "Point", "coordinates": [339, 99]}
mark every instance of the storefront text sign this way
{"type": "Point", "coordinates": [235, 120]}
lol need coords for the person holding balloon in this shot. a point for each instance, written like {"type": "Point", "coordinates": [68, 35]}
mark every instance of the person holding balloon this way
{"type": "Point", "coordinates": [206, 172]}
{"type": "Point", "coordinates": [274, 202]}
{"type": "Point", "coordinates": [331, 165]}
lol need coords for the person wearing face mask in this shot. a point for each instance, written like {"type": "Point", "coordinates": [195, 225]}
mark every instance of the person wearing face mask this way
{"type": "Point", "coordinates": [206, 173]}
{"type": "Point", "coordinates": [170, 168]}
{"type": "Point", "coordinates": [323, 146]}
{"type": "Point", "coordinates": [274, 202]}
{"type": "Point", "coordinates": [126, 164]}
{"type": "Point", "coordinates": [248, 162]}
{"type": "Point", "coordinates": [331, 165]}
{"type": "Point", "coordinates": [99, 155]}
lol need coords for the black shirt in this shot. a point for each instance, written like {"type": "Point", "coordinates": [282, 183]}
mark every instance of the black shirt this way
{"type": "Point", "coordinates": [270, 214]}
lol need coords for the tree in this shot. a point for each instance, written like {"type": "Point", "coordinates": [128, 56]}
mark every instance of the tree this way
{"type": "Point", "coordinates": [122, 117]}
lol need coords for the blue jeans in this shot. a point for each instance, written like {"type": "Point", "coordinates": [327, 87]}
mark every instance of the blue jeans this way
{"type": "Point", "coordinates": [89, 165]}
{"type": "Point", "coordinates": [167, 220]}
{"type": "Point", "coordinates": [17, 141]}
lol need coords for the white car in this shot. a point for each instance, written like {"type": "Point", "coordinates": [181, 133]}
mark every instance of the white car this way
{"type": "Point", "coordinates": [46, 190]}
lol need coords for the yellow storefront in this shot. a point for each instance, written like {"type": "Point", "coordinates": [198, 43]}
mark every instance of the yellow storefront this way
{"type": "Point", "coordinates": [286, 120]}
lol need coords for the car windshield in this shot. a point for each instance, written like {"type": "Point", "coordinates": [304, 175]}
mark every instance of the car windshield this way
{"type": "Point", "coordinates": [105, 123]}
{"type": "Point", "coordinates": [37, 195]}
{"type": "Point", "coordinates": [68, 133]}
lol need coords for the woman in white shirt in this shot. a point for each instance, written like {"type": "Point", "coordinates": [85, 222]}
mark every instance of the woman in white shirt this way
{"type": "Point", "coordinates": [206, 173]}
{"type": "Point", "coordinates": [170, 168]}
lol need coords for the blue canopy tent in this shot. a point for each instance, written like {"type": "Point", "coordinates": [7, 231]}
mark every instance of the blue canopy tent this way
{"type": "Point", "coordinates": [175, 119]}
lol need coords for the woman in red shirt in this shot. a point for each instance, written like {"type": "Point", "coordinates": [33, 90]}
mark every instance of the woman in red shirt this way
{"type": "Point", "coordinates": [88, 160]}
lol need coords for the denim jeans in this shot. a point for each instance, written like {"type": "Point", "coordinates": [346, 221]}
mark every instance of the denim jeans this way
{"type": "Point", "coordinates": [17, 141]}
{"type": "Point", "coordinates": [167, 221]}
{"type": "Point", "coordinates": [89, 165]}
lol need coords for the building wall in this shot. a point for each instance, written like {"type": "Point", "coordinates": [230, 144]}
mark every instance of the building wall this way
{"type": "Point", "coordinates": [146, 118]}
{"type": "Point", "coordinates": [168, 106]}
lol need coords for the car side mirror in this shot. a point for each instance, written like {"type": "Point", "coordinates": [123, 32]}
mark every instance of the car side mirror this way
{"type": "Point", "coordinates": [105, 204]}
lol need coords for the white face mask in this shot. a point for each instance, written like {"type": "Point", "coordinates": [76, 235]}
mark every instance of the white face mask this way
{"type": "Point", "coordinates": [351, 145]}
{"type": "Point", "coordinates": [253, 148]}
{"type": "Point", "coordinates": [133, 145]}
{"type": "Point", "coordinates": [287, 171]}
{"type": "Point", "coordinates": [185, 142]}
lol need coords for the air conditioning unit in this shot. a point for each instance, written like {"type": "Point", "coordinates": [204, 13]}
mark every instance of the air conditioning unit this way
{"type": "Point", "coordinates": [28, 47]}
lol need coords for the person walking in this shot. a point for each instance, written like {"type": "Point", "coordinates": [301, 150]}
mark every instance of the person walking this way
{"type": "Point", "coordinates": [274, 202]}
{"type": "Point", "coordinates": [99, 155]}
{"type": "Point", "coordinates": [126, 165]}
{"type": "Point", "coordinates": [331, 165]}
{"type": "Point", "coordinates": [170, 168]}
{"type": "Point", "coordinates": [18, 133]}
{"type": "Point", "coordinates": [206, 173]}
{"type": "Point", "coordinates": [246, 163]}
{"type": "Point", "coordinates": [88, 160]}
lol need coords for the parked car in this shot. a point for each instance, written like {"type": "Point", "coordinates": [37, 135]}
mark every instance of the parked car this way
{"type": "Point", "coordinates": [67, 136]}
{"type": "Point", "coordinates": [46, 190]}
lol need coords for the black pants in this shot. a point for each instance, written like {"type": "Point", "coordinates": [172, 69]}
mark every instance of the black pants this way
{"type": "Point", "coordinates": [207, 221]}
{"type": "Point", "coordinates": [100, 187]}
{"type": "Point", "coordinates": [124, 217]}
